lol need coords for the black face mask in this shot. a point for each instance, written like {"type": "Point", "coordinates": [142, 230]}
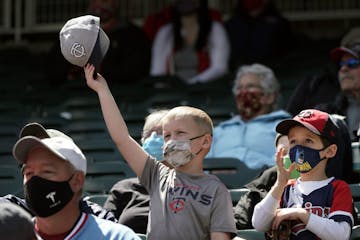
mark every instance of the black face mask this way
{"type": "Point", "coordinates": [46, 197]}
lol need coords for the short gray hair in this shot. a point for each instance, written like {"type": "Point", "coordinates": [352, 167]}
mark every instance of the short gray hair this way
{"type": "Point", "coordinates": [267, 77]}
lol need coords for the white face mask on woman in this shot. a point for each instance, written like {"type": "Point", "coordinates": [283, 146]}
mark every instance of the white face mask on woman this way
{"type": "Point", "coordinates": [178, 152]}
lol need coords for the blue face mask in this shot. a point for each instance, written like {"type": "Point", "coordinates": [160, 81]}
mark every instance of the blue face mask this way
{"type": "Point", "coordinates": [305, 158]}
{"type": "Point", "coordinates": [153, 146]}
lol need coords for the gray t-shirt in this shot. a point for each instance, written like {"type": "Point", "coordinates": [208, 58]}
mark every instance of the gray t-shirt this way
{"type": "Point", "coordinates": [184, 206]}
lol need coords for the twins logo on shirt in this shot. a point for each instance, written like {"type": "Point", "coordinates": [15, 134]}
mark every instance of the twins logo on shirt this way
{"type": "Point", "coordinates": [181, 193]}
{"type": "Point", "coordinates": [320, 211]}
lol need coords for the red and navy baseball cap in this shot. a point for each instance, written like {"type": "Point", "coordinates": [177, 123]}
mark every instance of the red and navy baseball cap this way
{"type": "Point", "coordinates": [314, 120]}
{"type": "Point", "coordinates": [350, 44]}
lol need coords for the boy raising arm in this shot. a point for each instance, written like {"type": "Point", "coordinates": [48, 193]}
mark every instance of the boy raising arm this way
{"type": "Point", "coordinates": [185, 203]}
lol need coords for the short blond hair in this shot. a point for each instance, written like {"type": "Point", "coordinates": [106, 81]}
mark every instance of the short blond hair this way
{"type": "Point", "coordinates": [200, 117]}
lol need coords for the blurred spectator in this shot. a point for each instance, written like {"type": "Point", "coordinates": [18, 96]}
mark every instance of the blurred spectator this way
{"type": "Point", "coordinates": [249, 136]}
{"type": "Point", "coordinates": [155, 21]}
{"type": "Point", "coordinates": [193, 46]}
{"type": "Point", "coordinates": [257, 32]}
{"type": "Point", "coordinates": [15, 223]}
{"type": "Point", "coordinates": [129, 200]}
{"type": "Point", "coordinates": [347, 103]}
{"type": "Point", "coordinates": [314, 90]}
{"type": "Point", "coordinates": [339, 95]}
{"type": "Point", "coordinates": [37, 130]}
{"type": "Point", "coordinates": [128, 57]}
{"type": "Point", "coordinates": [54, 171]}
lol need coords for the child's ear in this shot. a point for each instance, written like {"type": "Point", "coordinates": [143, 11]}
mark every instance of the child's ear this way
{"type": "Point", "coordinates": [207, 141]}
{"type": "Point", "coordinates": [331, 151]}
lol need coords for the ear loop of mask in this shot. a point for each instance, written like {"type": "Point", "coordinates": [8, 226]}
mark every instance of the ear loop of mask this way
{"type": "Point", "coordinates": [322, 149]}
{"type": "Point", "coordinates": [197, 153]}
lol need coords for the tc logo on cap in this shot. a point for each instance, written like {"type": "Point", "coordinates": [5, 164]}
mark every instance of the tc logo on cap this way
{"type": "Point", "coordinates": [306, 114]}
{"type": "Point", "coordinates": [77, 50]}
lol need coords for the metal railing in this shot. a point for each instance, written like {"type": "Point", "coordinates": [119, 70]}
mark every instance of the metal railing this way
{"type": "Point", "coordinates": [20, 17]}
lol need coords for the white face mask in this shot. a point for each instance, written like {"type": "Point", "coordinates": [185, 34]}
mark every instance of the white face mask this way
{"type": "Point", "coordinates": [178, 152]}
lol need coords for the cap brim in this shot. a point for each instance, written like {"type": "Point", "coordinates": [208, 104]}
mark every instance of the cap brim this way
{"type": "Point", "coordinates": [34, 129]}
{"type": "Point", "coordinates": [100, 49]}
{"type": "Point", "coordinates": [337, 53]}
{"type": "Point", "coordinates": [284, 126]}
{"type": "Point", "coordinates": [24, 145]}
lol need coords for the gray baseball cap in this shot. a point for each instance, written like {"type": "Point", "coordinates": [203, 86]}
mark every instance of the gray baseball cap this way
{"type": "Point", "coordinates": [83, 41]}
{"type": "Point", "coordinates": [37, 130]}
{"type": "Point", "coordinates": [62, 147]}
{"type": "Point", "coordinates": [350, 44]}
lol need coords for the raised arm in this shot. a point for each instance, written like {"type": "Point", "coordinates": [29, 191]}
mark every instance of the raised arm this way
{"type": "Point", "coordinates": [129, 148]}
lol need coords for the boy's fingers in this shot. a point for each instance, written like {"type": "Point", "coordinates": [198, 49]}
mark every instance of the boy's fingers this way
{"type": "Point", "coordinates": [292, 167]}
{"type": "Point", "coordinates": [279, 158]}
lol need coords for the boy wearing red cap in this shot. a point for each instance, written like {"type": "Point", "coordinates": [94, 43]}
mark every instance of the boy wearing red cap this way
{"type": "Point", "coordinates": [317, 206]}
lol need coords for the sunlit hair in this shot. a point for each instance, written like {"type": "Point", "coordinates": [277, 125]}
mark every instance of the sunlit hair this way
{"type": "Point", "coordinates": [200, 117]}
{"type": "Point", "coordinates": [266, 76]}
{"type": "Point", "coordinates": [153, 123]}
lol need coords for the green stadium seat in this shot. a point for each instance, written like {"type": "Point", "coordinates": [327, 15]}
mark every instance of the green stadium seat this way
{"type": "Point", "coordinates": [356, 156]}
{"type": "Point", "coordinates": [250, 234]}
{"type": "Point", "coordinates": [11, 181]}
{"type": "Point", "coordinates": [86, 130]}
{"type": "Point", "coordinates": [101, 176]}
{"type": "Point", "coordinates": [355, 191]}
{"type": "Point", "coordinates": [236, 194]}
{"type": "Point", "coordinates": [355, 234]}
{"type": "Point", "coordinates": [97, 198]}
{"type": "Point", "coordinates": [99, 149]}
{"type": "Point", "coordinates": [231, 171]}
{"type": "Point", "coordinates": [141, 236]}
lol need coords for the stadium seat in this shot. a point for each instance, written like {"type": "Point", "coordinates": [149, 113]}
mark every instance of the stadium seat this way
{"type": "Point", "coordinates": [87, 130]}
{"type": "Point", "coordinates": [356, 156]}
{"type": "Point", "coordinates": [355, 191]}
{"type": "Point", "coordinates": [83, 102]}
{"type": "Point", "coordinates": [99, 149]}
{"type": "Point", "coordinates": [250, 234]}
{"type": "Point", "coordinates": [141, 236]}
{"type": "Point", "coordinates": [135, 130]}
{"type": "Point", "coordinates": [236, 194]}
{"type": "Point", "coordinates": [11, 181]}
{"type": "Point", "coordinates": [97, 198]}
{"type": "Point", "coordinates": [101, 176]}
{"type": "Point", "coordinates": [231, 171]}
{"type": "Point", "coordinates": [7, 159]}
{"type": "Point", "coordinates": [355, 234]}
{"type": "Point", "coordinates": [9, 133]}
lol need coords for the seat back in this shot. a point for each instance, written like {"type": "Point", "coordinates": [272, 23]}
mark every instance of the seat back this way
{"type": "Point", "coordinates": [236, 194]}
{"type": "Point", "coordinates": [231, 171]}
{"type": "Point", "coordinates": [356, 156]}
{"type": "Point", "coordinates": [11, 181]}
{"type": "Point", "coordinates": [250, 234]}
{"type": "Point", "coordinates": [355, 234]}
{"type": "Point", "coordinates": [97, 198]}
{"type": "Point", "coordinates": [101, 176]}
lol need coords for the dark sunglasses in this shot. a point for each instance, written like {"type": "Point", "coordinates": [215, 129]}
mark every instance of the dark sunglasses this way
{"type": "Point", "coordinates": [351, 63]}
